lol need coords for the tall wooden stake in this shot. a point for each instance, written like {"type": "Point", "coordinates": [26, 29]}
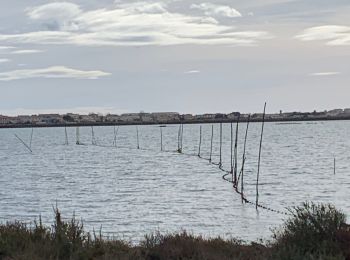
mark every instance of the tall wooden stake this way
{"type": "Point", "coordinates": [31, 138]}
{"type": "Point", "coordinates": [161, 138]}
{"type": "Point", "coordinates": [77, 135]}
{"type": "Point", "coordinates": [220, 162]}
{"type": "Point", "coordinates": [257, 176]}
{"type": "Point", "coordinates": [137, 137]}
{"type": "Point", "coordinates": [231, 155]}
{"type": "Point", "coordinates": [115, 131]}
{"type": "Point", "coordinates": [93, 140]}
{"type": "Point", "coordinates": [211, 142]}
{"type": "Point", "coordinates": [178, 140]}
{"type": "Point", "coordinates": [182, 136]}
{"type": "Point", "coordinates": [66, 135]}
{"type": "Point", "coordinates": [236, 155]}
{"type": "Point", "coordinates": [243, 159]}
{"type": "Point", "coordinates": [200, 141]}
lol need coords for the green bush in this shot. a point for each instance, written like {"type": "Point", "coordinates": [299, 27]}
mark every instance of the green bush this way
{"type": "Point", "coordinates": [310, 233]}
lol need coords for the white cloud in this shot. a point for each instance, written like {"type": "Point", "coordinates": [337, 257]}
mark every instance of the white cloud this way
{"type": "Point", "coordinates": [4, 60]}
{"type": "Point", "coordinates": [335, 35]}
{"type": "Point", "coordinates": [132, 24]}
{"type": "Point", "coordinates": [192, 72]}
{"type": "Point", "coordinates": [60, 14]}
{"type": "Point", "coordinates": [326, 73]}
{"type": "Point", "coordinates": [6, 47]}
{"type": "Point", "coordinates": [217, 10]}
{"type": "Point", "coordinates": [51, 72]}
{"type": "Point", "coordinates": [26, 51]}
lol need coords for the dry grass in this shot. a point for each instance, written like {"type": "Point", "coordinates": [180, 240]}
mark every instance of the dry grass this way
{"type": "Point", "coordinates": [314, 232]}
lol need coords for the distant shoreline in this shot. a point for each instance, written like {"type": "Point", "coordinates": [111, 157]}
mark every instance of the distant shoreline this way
{"type": "Point", "coordinates": [176, 122]}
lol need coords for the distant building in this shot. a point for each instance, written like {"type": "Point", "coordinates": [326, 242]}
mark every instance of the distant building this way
{"type": "Point", "coordinates": [24, 119]}
{"type": "Point", "coordinates": [187, 117]}
{"type": "Point", "coordinates": [112, 118]}
{"type": "Point", "coordinates": [146, 117]}
{"type": "Point", "coordinates": [87, 119]}
{"type": "Point", "coordinates": [50, 118]}
{"type": "Point", "coordinates": [131, 117]}
{"type": "Point", "coordinates": [4, 120]}
{"type": "Point", "coordinates": [335, 112]}
{"type": "Point", "coordinates": [166, 116]}
{"type": "Point", "coordinates": [233, 115]}
{"type": "Point", "coordinates": [347, 111]}
{"type": "Point", "coordinates": [205, 116]}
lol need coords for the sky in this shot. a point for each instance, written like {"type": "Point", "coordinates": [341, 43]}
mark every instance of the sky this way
{"type": "Point", "coordinates": [187, 56]}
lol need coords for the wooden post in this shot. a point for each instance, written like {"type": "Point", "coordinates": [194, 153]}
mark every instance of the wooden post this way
{"type": "Point", "coordinates": [66, 135]}
{"type": "Point", "coordinates": [182, 136]}
{"type": "Point", "coordinates": [31, 138]}
{"type": "Point", "coordinates": [211, 142]}
{"type": "Point", "coordinates": [231, 155]}
{"type": "Point", "coordinates": [137, 137]}
{"type": "Point", "coordinates": [178, 139]}
{"type": "Point", "coordinates": [236, 155]}
{"type": "Point", "coordinates": [243, 159]}
{"type": "Point", "coordinates": [93, 141]}
{"type": "Point", "coordinates": [77, 135]}
{"type": "Point", "coordinates": [27, 146]}
{"type": "Point", "coordinates": [220, 162]}
{"type": "Point", "coordinates": [161, 139]}
{"type": "Point", "coordinates": [114, 137]}
{"type": "Point", "coordinates": [257, 176]}
{"type": "Point", "coordinates": [200, 141]}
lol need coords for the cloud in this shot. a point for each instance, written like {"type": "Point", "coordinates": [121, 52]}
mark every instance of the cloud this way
{"type": "Point", "coordinates": [58, 15]}
{"type": "Point", "coordinates": [26, 51]}
{"type": "Point", "coordinates": [51, 72]}
{"type": "Point", "coordinates": [327, 73]}
{"type": "Point", "coordinates": [192, 72]}
{"type": "Point", "coordinates": [4, 60]}
{"type": "Point", "coordinates": [6, 47]}
{"type": "Point", "coordinates": [130, 24]}
{"type": "Point", "coordinates": [217, 10]}
{"type": "Point", "coordinates": [334, 35]}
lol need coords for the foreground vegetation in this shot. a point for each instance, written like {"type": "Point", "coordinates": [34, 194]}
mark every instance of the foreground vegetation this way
{"type": "Point", "coordinates": [312, 232]}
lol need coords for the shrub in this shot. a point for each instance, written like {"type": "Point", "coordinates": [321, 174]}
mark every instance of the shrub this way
{"type": "Point", "coordinates": [311, 232]}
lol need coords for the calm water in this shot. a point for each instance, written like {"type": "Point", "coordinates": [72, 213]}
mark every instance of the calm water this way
{"type": "Point", "coordinates": [132, 192]}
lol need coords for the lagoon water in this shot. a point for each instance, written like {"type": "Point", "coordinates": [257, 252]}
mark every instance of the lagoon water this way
{"type": "Point", "coordinates": [130, 192]}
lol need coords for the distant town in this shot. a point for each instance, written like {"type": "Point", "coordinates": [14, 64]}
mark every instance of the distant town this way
{"type": "Point", "coordinates": [71, 119]}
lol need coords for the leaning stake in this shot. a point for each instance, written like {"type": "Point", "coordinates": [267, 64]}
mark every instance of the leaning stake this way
{"type": "Point", "coordinates": [243, 159]}
{"type": "Point", "coordinates": [257, 176]}
{"type": "Point", "coordinates": [236, 154]}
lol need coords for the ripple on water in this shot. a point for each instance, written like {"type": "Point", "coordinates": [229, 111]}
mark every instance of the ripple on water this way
{"type": "Point", "coordinates": [132, 192]}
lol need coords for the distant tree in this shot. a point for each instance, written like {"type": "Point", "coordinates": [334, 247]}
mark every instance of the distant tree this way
{"type": "Point", "coordinates": [68, 118]}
